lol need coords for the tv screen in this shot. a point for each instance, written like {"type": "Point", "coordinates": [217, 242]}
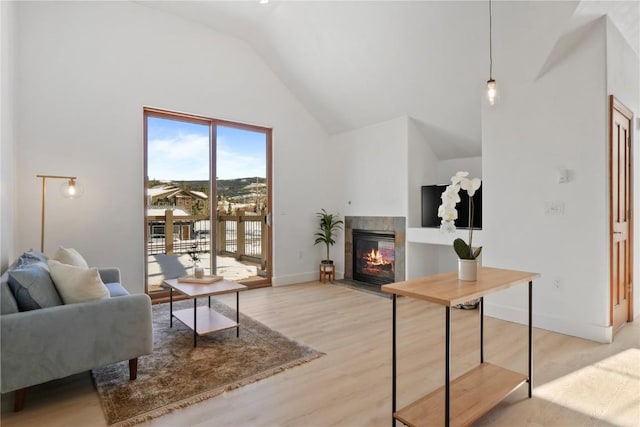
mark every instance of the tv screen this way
{"type": "Point", "coordinates": [431, 201]}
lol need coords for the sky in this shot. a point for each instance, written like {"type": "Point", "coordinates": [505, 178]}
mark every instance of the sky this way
{"type": "Point", "coordinates": [179, 151]}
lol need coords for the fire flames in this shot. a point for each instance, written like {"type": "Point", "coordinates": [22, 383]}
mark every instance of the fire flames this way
{"type": "Point", "coordinates": [375, 258]}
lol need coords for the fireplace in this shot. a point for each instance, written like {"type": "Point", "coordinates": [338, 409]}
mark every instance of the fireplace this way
{"type": "Point", "coordinates": [374, 256]}
{"type": "Point", "coordinates": [378, 240]}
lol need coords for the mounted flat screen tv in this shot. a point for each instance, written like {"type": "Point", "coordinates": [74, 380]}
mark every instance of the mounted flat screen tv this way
{"type": "Point", "coordinates": [431, 200]}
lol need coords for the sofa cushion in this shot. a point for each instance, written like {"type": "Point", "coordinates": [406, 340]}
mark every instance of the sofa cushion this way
{"type": "Point", "coordinates": [8, 303]}
{"type": "Point", "coordinates": [76, 284]}
{"type": "Point", "coordinates": [70, 256]}
{"type": "Point", "coordinates": [32, 287]}
{"type": "Point", "coordinates": [116, 289]}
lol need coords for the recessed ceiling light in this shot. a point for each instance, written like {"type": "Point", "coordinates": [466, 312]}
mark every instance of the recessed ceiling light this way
{"type": "Point", "coordinates": [263, 1]}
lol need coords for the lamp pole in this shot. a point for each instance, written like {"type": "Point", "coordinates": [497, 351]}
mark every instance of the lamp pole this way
{"type": "Point", "coordinates": [71, 191]}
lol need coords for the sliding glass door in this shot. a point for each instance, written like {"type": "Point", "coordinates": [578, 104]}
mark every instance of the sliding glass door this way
{"type": "Point", "coordinates": [207, 199]}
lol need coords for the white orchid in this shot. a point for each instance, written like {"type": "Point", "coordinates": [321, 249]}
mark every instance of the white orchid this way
{"type": "Point", "coordinates": [458, 177]}
{"type": "Point", "coordinates": [447, 226]}
{"type": "Point", "coordinates": [470, 185]}
{"type": "Point", "coordinates": [447, 211]}
{"type": "Point", "coordinates": [451, 196]}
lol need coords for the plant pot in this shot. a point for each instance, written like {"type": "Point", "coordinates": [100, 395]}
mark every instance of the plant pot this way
{"type": "Point", "coordinates": [326, 261]}
{"type": "Point", "coordinates": [468, 270]}
{"type": "Point", "coordinates": [198, 272]}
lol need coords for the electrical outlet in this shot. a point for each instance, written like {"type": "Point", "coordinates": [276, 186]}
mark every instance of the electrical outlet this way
{"type": "Point", "coordinates": [554, 208]}
{"type": "Point", "coordinates": [557, 283]}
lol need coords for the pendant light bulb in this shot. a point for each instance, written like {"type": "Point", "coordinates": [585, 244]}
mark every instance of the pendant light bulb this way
{"type": "Point", "coordinates": [491, 91]}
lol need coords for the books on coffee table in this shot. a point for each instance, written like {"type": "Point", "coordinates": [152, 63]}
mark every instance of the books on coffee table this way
{"type": "Point", "coordinates": [203, 280]}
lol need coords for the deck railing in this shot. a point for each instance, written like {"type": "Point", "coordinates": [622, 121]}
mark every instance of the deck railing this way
{"type": "Point", "coordinates": [242, 236]}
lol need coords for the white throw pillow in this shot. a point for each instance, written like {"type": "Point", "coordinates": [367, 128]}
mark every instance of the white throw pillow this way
{"type": "Point", "coordinates": [70, 256]}
{"type": "Point", "coordinates": [76, 284]}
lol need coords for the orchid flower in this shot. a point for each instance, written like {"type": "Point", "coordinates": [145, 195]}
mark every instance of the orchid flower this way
{"type": "Point", "coordinates": [447, 211]}
{"type": "Point", "coordinates": [470, 185]}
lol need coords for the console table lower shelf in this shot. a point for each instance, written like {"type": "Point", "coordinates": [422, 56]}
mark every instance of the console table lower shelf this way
{"type": "Point", "coordinates": [472, 395]}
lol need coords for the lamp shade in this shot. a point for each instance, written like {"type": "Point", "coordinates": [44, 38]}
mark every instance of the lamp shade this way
{"type": "Point", "coordinates": [71, 189]}
{"type": "Point", "coordinates": [492, 91]}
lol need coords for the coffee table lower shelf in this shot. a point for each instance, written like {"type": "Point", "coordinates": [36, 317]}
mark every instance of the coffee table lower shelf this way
{"type": "Point", "coordinates": [208, 320]}
{"type": "Point", "coordinates": [472, 395]}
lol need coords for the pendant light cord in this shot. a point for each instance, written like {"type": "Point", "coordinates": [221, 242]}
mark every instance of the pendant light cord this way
{"type": "Point", "coordinates": [490, 45]}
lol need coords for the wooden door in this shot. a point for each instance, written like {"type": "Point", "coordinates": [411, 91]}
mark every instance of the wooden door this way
{"type": "Point", "coordinates": [621, 230]}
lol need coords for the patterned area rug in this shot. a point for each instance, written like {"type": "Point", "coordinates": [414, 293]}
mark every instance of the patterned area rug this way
{"type": "Point", "coordinates": [177, 375]}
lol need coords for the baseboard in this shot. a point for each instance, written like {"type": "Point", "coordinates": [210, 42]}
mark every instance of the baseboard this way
{"type": "Point", "coordinates": [603, 334]}
{"type": "Point", "coordinates": [293, 279]}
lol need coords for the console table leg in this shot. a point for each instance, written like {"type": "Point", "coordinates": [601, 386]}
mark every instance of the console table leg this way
{"type": "Point", "coordinates": [171, 308]}
{"type": "Point", "coordinates": [238, 314]}
{"type": "Point", "coordinates": [393, 362]}
{"type": "Point", "coordinates": [481, 329]}
{"type": "Point", "coordinates": [447, 368]}
{"type": "Point", "coordinates": [530, 338]}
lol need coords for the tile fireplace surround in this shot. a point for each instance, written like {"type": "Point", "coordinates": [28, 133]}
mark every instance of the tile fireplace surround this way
{"type": "Point", "coordinates": [394, 224]}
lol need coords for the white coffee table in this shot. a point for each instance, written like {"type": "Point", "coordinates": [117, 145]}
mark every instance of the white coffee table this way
{"type": "Point", "coordinates": [204, 320]}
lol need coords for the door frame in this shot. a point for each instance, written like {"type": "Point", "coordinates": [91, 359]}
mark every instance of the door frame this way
{"type": "Point", "coordinates": [616, 105]}
{"type": "Point", "coordinates": [212, 123]}
{"type": "Point", "coordinates": [255, 283]}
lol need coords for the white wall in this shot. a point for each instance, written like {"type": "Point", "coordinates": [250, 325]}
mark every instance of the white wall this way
{"type": "Point", "coordinates": [539, 126]}
{"type": "Point", "coordinates": [7, 177]}
{"type": "Point", "coordinates": [84, 72]}
{"type": "Point", "coordinates": [623, 81]}
{"type": "Point", "coordinates": [448, 168]}
{"type": "Point", "coordinates": [369, 174]}
{"type": "Point", "coordinates": [374, 174]}
{"type": "Point", "coordinates": [422, 169]}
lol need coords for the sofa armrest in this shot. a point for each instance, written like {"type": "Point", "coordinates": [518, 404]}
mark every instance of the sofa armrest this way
{"type": "Point", "coordinates": [50, 343]}
{"type": "Point", "coordinates": [109, 275]}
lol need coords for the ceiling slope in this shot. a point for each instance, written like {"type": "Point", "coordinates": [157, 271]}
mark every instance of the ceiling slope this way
{"type": "Point", "coordinates": [354, 64]}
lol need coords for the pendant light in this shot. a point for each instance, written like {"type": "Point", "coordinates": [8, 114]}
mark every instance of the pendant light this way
{"type": "Point", "coordinates": [491, 83]}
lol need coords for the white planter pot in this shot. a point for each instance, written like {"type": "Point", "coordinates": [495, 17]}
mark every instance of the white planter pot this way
{"type": "Point", "coordinates": [198, 272]}
{"type": "Point", "coordinates": [468, 269]}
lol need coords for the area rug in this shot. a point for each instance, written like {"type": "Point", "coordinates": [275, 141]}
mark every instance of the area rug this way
{"type": "Point", "coordinates": [177, 375]}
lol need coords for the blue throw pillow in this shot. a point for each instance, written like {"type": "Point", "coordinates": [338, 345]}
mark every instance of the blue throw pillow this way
{"type": "Point", "coordinates": [32, 287]}
{"type": "Point", "coordinates": [31, 256]}
{"type": "Point", "coordinates": [116, 290]}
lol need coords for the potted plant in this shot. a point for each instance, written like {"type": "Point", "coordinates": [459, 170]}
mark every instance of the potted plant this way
{"type": "Point", "coordinates": [467, 255]}
{"type": "Point", "coordinates": [329, 225]}
{"type": "Point", "coordinates": [198, 272]}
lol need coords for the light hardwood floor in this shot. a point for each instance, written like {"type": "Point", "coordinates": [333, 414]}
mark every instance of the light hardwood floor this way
{"type": "Point", "coordinates": [576, 382]}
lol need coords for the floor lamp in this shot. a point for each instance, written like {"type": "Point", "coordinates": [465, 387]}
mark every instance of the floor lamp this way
{"type": "Point", "coordinates": [69, 190]}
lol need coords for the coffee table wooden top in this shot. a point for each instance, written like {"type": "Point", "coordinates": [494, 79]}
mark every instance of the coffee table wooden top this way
{"type": "Point", "coordinates": [446, 289]}
{"type": "Point", "coordinates": [195, 290]}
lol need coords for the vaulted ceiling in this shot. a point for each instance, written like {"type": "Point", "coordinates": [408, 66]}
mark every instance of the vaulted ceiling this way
{"type": "Point", "coordinates": [356, 63]}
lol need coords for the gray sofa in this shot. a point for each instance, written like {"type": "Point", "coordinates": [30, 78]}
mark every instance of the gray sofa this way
{"type": "Point", "coordinates": [53, 342]}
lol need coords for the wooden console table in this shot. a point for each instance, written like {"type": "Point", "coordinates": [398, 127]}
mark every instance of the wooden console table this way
{"type": "Point", "coordinates": [468, 397]}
